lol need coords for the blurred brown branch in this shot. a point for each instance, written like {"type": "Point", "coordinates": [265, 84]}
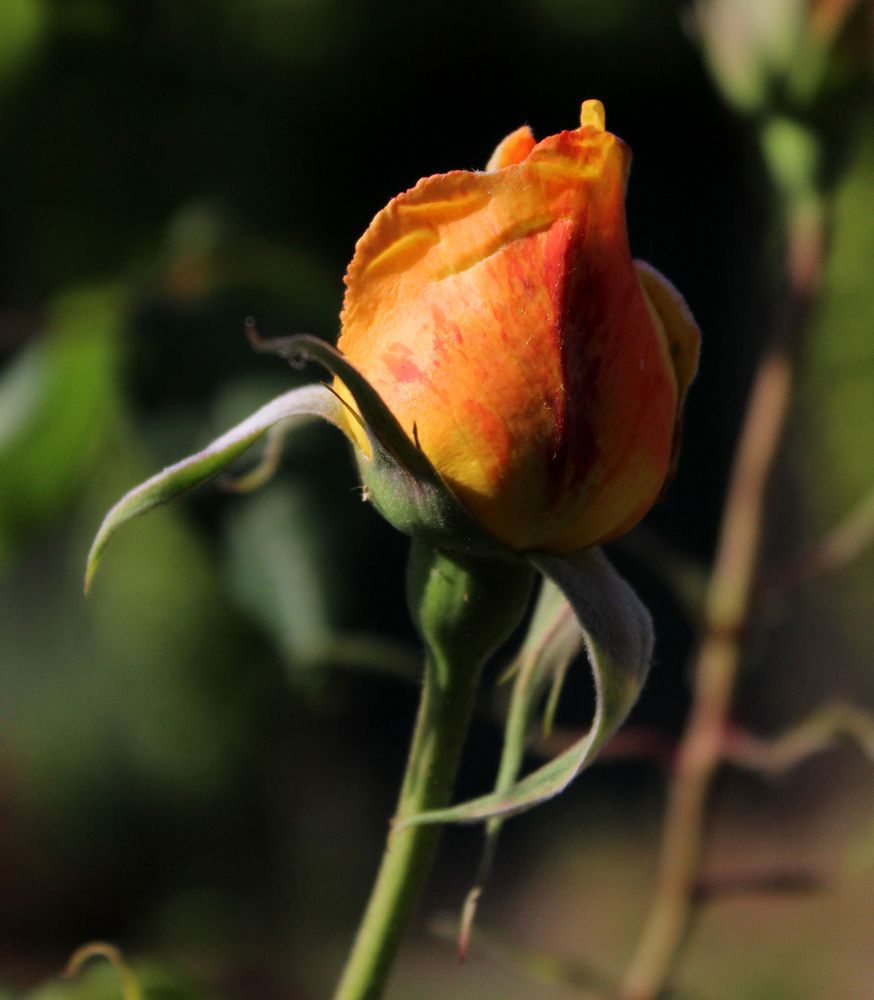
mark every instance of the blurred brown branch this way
{"type": "Point", "coordinates": [727, 612]}
{"type": "Point", "coordinates": [778, 881]}
{"type": "Point", "coordinates": [768, 755]}
{"type": "Point", "coordinates": [816, 734]}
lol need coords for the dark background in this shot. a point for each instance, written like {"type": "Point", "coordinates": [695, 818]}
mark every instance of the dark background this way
{"type": "Point", "coordinates": [199, 761]}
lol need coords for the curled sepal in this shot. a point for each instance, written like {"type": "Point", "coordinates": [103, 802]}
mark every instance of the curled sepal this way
{"type": "Point", "coordinates": [618, 635]}
{"type": "Point", "coordinates": [298, 404]}
{"type": "Point", "coordinates": [551, 643]}
{"type": "Point", "coordinates": [266, 466]}
{"type": "Point", "coordinates": [401, 482]}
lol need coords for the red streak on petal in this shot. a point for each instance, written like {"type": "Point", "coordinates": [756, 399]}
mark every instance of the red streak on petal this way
{"type": "Point", "coordinates": [444, 326]}
{"type": "Point", "coordinates": [403, 369]}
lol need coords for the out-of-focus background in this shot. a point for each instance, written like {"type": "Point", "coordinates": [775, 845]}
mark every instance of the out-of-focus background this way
{"type": "Point", "coordinates": [198, 761]}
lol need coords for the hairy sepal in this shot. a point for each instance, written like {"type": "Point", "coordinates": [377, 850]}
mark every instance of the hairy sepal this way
{"type": "Point", "coordinates": [618, 637]}
{"type": "Point", "coordinates": [400, 480]}
{"type": "Point", "coordinates": [292, 407]}
{"type": "Point", "coordinates": [552, 641]}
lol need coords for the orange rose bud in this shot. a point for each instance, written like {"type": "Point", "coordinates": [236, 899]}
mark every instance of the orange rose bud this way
{"type": "Point", "coordinates": [502, 320]}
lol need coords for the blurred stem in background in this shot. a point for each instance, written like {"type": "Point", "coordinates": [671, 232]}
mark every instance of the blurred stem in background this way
{"type": "Point", "coordinates": [744, 63]}
{"type": "Point", "coordinates": [727, 611]}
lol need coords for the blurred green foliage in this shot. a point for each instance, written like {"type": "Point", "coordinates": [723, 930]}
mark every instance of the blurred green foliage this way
{"type": "Point", "coordinates": [181, 769]}
{"type": "Point", "coordinates": [101, 982]}
{"type": "Point", "coordinates": [23, 23]}
{"type": "Point", "coordinates": [58, 399]}
{"type": "Point", "coordinates": [833, 450]}
{"type": "Point", "coordinates": [838, 410]}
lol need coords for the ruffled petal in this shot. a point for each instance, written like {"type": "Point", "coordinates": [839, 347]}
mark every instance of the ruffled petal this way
{"type": "Point", "coordinates": [500, 317]}
{"type": "Point", "coordinates": [512, 150]}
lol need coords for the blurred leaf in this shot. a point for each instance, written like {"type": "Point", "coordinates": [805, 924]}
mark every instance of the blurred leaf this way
{"type": "Point", "coordinates": [834, 451]}
{"type": "Point", "coordinates": [57, 400]}
{"type": "Point", "coordinates": [839, 408]}
{"type": "Point", "coordinates": [281, 567]}
{"type": "Point", "coordinates": [23, 24]}
{"type": "Point", "coordinates": [276, 560]}
{"type": "Point", "coordinates": [138, 687]}
{"type": "Point", "coordinates": [749, 44]}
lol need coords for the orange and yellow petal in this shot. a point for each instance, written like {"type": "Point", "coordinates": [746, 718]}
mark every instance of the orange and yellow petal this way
{"type": "Point", "coordinates": [674, 319]}
{"type": "Point", "coordinates": [501, 317]}
{"type": "Point", "coordinates": [681, 330]}
{"type": "Point", "coordinates": [512, 150]}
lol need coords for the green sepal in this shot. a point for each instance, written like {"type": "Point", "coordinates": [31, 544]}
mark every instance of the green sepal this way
{"type": "Point", "coordinates": [618, 635]}
{"type": "Point", "coordinates": [401, 482]}
{"type": "Point", "coordinates": [301, 403]}
{"type": "Point", "coordinates": [552, 641]}
{"type": "Point", "coordinates": [464, 607]}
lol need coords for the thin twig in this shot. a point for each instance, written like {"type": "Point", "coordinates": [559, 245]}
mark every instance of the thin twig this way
{"type": "Point", "coordinates": [630, 743]}
{"type": "Point", "coordinates": [727, 607]}
{"type": "Point", "coordinates": [819, 732]}
{"type": "Point", "coordinates": [772, 756]}
{"type": "Point", "coordinates": [780, 881]}
{"type": "Point", "coordinates": [847, 540]}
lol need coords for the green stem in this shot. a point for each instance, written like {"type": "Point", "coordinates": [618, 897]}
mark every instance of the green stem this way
{"type": "Point", "coordinates": [443, 716]}
{"type": "Point", "coordinates": [464, 611]}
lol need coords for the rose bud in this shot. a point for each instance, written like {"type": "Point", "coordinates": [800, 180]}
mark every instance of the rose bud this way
{"type": "Point", "coordinates": [502, 320]}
